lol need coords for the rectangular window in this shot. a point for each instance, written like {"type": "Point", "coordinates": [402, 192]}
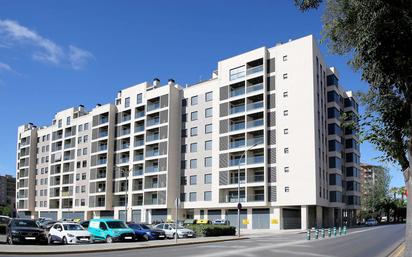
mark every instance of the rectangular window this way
{"type": "Point", "coordinates": [209, 96]}
{"type": "Point", "coordinates": [86, 126]}
{"type": "Point", "coordinates": [285, 94]}
{"type": "Point", "coordinates": [286, 169]}
{"type": "Point", "coordinates": [236, 73]}
{"type": "Point", "coordinates": [193, 116]}
{"type": "Point", "coordinates": [80, 128]}
{"type": "Point", "coordinates": [183, 149]}
{"type": "Point", "coordinates": [207, 195]}
{"type": "Point", "coordinates": [193, 180]}
{"type": "Point", "coordinates": [208, 128]}
{"type": "Point", "coordinates": [193, 131]}
{"type": "Point", "coordinates": [208, 145]}
{"type": "Point", "coordinates": [287, 189]}
{"type": "Point", "coordinates": [184, 117]}
{"type": "Point", "coordinates": [127, 102]}
{"type": "Point", "coordinates": [139, 98]}
{"type": "Point", "coordinates": [208, 112]}
{"type": "Point", "coordinates": [286, 131]}
{"type": "Point", "coordinates": [193, 163]}
{"type": "Point", "coordinates": [184, 102]}
{"type": "Point", "coordinates": [193, 147]}
{"type": "Point", "coordinates": [285, 76]}
{"type": "Point", "coordinates": [285, 113]}
{"type": "Point", "coordinates": [286, 150]}
{"type": "Point", "coordinates": [194, 100]}
{"type": "Point", "coordinates": [68, 121]}
{"type": "Point", "coordinates": [208, 179]}
{"type": "Point", "coordinates": [208, 162]}
{"type": "Point", "coordinates": [192, 197]}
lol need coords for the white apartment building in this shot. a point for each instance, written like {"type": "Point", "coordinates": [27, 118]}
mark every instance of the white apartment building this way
{"type": "Point", "coordinates": [275, 113]}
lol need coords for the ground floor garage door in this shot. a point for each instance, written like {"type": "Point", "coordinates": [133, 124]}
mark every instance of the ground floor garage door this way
{"type": "Point", "coordinates": [137, 216]}
{"type": "Point", "coordinates": [260, 219]}
{"type": "Point", "coordinates": [24, 214]}
{"type": "Point", "coordinates": [214, 215]}
{"type": "Point", "coordinates": [106, 214]}
{"type": "Point", "coordinates": [73, 215]}
{"type": "Point", "coordinates": [159, 215]}
{"type": "Point", "coordinates": [291, 218]}
{"type": "Point", "coordinates": [231, 216]}
{"type": "Point", "coordinates": [48, 214]}
{"type": "Point", "coordinates": [122, 215]}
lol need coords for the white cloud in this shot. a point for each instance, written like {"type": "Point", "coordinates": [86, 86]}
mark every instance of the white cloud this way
{"type": "Point", "coordinates": [5, 67]}
{"type": "Point", "coordinates": [47, 51]}
{"type": "Point", "coordinates": [78, 57]}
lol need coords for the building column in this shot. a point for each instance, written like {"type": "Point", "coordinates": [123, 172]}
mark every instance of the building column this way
{"type": "Point", "coordinates": [319, 215]}
{"type": "Point", "coordinates": [304, 215]}
{"type": "Point", "coordinates": [275, 216]}
{"type": "Point", "coordinates": [249, 218]}
{"type": "Point", "coordinates": [196, 214]}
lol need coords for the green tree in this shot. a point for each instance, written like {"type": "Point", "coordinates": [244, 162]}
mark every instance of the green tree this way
{"type": "Point", "coordinates": [377, 36]}
{"type": "Point", "coordinates": [377, 192]}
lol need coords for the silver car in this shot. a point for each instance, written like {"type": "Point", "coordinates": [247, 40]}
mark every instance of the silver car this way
{"type": "Point", "coordinates": [171, 231]}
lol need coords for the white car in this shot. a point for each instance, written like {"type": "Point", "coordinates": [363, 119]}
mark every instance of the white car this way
{"type": "Point", "coordinates": [69, 233]}
{"type": "Point", "coordinates": [371, 222]}
{"type": "Point", "coordinates": [170, 230]}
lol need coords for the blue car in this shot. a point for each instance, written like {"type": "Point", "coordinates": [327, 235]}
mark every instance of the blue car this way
{"type": "Point", "coordinates": [110, 230]}
{"type": "Point", "coordinates": [144, 232]}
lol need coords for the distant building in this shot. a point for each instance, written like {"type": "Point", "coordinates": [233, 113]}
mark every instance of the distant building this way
{"type": "Point", "coordinates": [8, 191]}
{"type": "Point", "coordinates": [368, 177]}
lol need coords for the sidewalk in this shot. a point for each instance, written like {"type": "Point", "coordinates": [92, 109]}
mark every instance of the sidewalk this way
{"type": "Point", "coordinates": [260, 232]}
{"type": "Point", "coordinates": [103, 247]}
{"type": "Point", "coordinates": [399, 251]}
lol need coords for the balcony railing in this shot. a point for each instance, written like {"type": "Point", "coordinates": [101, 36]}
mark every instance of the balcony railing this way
{"type": "Point", "coordinates": [138, 143]}
{"type": "Point", "coordinates": [138, 172]}
{"type": "Point", "coordinates": [235, 162]}
{"type": "Point", "coordinates": [254, 88]}
{"type": "Point", "coordinates": [255, 140]}
{"type": "Point", "coordinates": [237, 109]}
{"type": "Point", "coordinates": [139, 157]}
{"type": "Point", "coordinates": [125, 118]}
{"type": "Point", "coordinates": [102, 148]}
{"type": "Point", "coordinates": [124, 160]}
{"type": "Point", "coordinates": [237, 91]}
{"type": "Point", "coordinates": [124, 146]}
{"type": "Point", "coordinates": [124, 132]}
{"type": "Point", "coordinates": [101, 161]}
{"type": "Point", "coordinates": [150, 169]}
{"type": "Point", "coordinates": [237, 144]}
{"type": "Point", "coordinates": [152, 137]}
{"type": "Point", "coordinates": [152, 153]}
{"type": "Point", "coordinates": [153, 106]}
{"type": "Point", "coordinates": [254, 70]}
{"type": "Point", "coordinates": [238, 75]}
{"type": "Point", "coordinates": [255, 159]}
{"type": "Point", "coordinates": [103, 133]}
{"type": "Point", "coordinates": [256, 197]}
{"type": "Point", "coordinates": [103, 120]}
{"type": "Point", "coordinates": [255, 123]}
{"type": "Point", "coordinates": [253, 106]}
{"type": "Point", "coordinates": [138, 129]}
{"type": "Point", "coordinates": [237, 126]}
{"type": "Point", "coordinates": [152, 122]}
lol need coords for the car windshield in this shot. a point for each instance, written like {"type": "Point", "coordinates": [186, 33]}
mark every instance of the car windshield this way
{"type": "Point", "coordinates": [134, 226]}
{"type": "Point", "coordinates": [178, 227]}
{"type": "Point", "coordinates": [116, 224]}
{"type": "Point", "coordinates": [144, 226]}
{"type": "Point", "coordinates": [25, 223]}
{"type": "Point", "coordinates": [72, 227]}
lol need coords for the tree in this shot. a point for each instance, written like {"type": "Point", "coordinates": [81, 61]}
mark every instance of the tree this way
{"type": "Point", "coordinates": [377, 36]}
{"type": "Point", "coordinates": [377, 192]}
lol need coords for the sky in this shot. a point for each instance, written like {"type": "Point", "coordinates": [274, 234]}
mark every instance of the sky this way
{"type": "Point", "coordinates": [59, 54]}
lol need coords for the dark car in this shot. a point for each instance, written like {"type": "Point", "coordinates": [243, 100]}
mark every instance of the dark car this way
{"type": "Point", "coordinates": [85, 224]}
{"type": "Point", "coordinates": [144, 232]}
{"type": "Point", "coordinates": [25, 231]}
{"type": "Point", "coordinates": [48, 224]}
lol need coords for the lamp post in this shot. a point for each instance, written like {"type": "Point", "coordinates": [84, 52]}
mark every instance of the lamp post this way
{"type": "Point", "coordinates": [239, 205]}
{"type": "Point", "coordinates": [127, 173]}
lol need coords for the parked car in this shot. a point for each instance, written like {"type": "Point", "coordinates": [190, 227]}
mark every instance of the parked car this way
{"type": "Point", "coordinates": [25, 231]}
{"type": "Point", "coordinates": [48, 224]}
{"type": "Point", "coordinates": [171, 231]}
{"type": "Point", "coordinates": [110, 230]}
{"type": "Point", "coordinates": [85, 224]}
{"type": "Point", "coordinates": [221, 222]}
{"type": "Point", "coordinates": [4, 220]}
{"type": "Point", "coordinates": [69, 233]}
{"type": "Point", "coordinates": [371, 222]}
{"type": "Point", "coordinates": [144, 232]}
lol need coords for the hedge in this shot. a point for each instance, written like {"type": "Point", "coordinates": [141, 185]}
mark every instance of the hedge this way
{"type": "Point", "coordinates": [212, 230]}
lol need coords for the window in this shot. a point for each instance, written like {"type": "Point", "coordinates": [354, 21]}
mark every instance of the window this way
{"type": "Point", "coordinates": [208, 128]}
{"type": "Point", "coordinates": [285, 58]}
{"type": "Point", "coordinates": [193, 131]}
{"type": "Point", "coordinates": [193, 163]}
{"type": "Point", "coordinates": [207, 196]}
{"type": "Point", "coordinates": [193, 147]}
{"type": "Point", "coordinates": [184, 102]}
{"type": "Point", "coordinates": [82, 202]}
{"type": "Point", "coordinates": [83, 176]}
{"type": "Point", "coordinates": [79, 152]}
{"type": "Point", "coordinates": [286, 150]}
{"type": "Point", "coordinates": [68, 121]}
{"type": "Point", "coordinates": [59, 124]}
{"type": "Point", "coordinates": [193, 116]}
{"type": "Point", "coordinates": [184, 132]}
{"type": "Point", "coordinates": [285, 94]}
{"type": "Point", "coordinates": [194, 100]}
{"type": "Point", "coordinates": [85, 138]}
{"type": "Point", "coordinates": [139, 98]}
{"type": "Point", "coordinates": [84, 164]}
{"type": "Point", "coordinates": [286, 169]}
{"type": "Point", "coordinates": [79, 140]}
{"type": "Point", "coordinates": [183, 165]}
{"type": "Point", "coordinates": [285, 76]}
{"type": "Point", "coordinates": [285, 113]}
{"type": "Point", "coordinates": [236, 73]}
{"type": "Point", "coordinates": [208, 145]}
{"type": "Point", "coordinates": [127, 102]}
{"type": "Point", "coordinates": [286, 131]}
{"type": "Point", "coordinates": [208, 179]}
{"type": "Point", "coordinates": [192, 197]}
{"type": "Point", "coordinates": [80, 128]}
{"type": "Point", "coordinates": [286, 189]}
{"type": "Point", "coordinates": [208, 162]}
{"type": "Point", "coordinates": [84, 151]}
{"type": "Point", "coordinates": [184, 117]}
{"type": "Point", "coordinates": [183, 149]}
{"type": "Point", "coordinates": [86, 126]}
{"type": "Point", "coordinates": [209, 96]}
{"type": "Point", "coordinates": [208, 112]}
{"type": "Point", "coordinates": [193, 180]}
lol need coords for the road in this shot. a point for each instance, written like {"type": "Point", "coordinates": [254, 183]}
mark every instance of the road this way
{"type": "Point", "coordinates": [363, 242]}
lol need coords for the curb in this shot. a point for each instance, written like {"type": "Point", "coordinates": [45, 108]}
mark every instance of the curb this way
{"type": "Point", "coordinates": [121, 249]}
{"type": "Point", "coordinates": [398, 251]}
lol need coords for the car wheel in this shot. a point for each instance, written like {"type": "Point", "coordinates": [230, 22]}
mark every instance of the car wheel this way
{"type": "Point", "coordinates": [109, 239]}
{"type": "Point", "coordinates": [9, 240]}
{"type": "Point", "coordinates": [145, 238]}
{"type": "Point", "coordinates": [49, 240]}
{"type": "Point", "coordinates": [64, 241]}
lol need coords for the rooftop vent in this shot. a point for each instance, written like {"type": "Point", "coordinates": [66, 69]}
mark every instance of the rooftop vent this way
{"type": "Point", "coordinates": [171, 82]}
{"type": "Point", "coordinates": [156, 82]}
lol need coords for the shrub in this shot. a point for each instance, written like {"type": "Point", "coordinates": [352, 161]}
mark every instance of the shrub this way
{"type": "Point", "coordinates": [212, 230]}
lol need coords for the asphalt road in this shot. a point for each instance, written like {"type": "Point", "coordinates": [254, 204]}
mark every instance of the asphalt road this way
{"type": "Point", "coordinates": [363, 242]}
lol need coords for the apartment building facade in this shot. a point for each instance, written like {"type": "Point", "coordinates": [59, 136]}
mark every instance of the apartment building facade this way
{"type": "Point", "coordinates": [278, 115]}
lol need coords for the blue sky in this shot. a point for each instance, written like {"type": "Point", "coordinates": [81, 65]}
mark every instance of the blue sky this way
{"type": "Point", "coordinates": [59, 54]}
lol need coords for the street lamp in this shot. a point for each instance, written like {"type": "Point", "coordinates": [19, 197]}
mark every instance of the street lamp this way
{"type": "Point", "coordinates": [239, 205]}
{"type": "Point", "coordinates": [127, 173]}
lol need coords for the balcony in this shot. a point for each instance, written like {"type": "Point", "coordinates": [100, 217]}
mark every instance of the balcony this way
{"type": "Point", "coordinates": [237, 109]}
{"type": "Point", "coordinates": [124, 160]}
{"type": "Point", "coordinates": [255, 140]}
{"type": "Point", "coordinates": [138, 129]}
{"type": "Point", "coordinates": [101, 161]}
{"type": "Point", "coordinates": [255, 123]}
{"type": "Point", "coordinates": [237, 126]}
{"type": "Point", "coordinates": [254, 70]}
{"type": "Point", "coordinates": [153, 106]}
{"type": "Point", "coordinates": [124, 132]}
{"type": "Point", "coordinates": [139, 115]}
{"type": "Point", "coordinates": [103, 120]}
{"type": "Point", "coordinates": [138, 142]}
{"type": "Point", "coordinates": [152, 153]}
{"type": "Point", "coordinates": [238, 75]}
{"type": "Point", "coordinates": [101, 174]}
{"type": "Point", "coordinates": [150, 169]}
{"type": "Point", "coordinates": [237, 144]}
{"type": "Point", "coordinates": [124, 146]}
{"type": "Point", "coordinates": [236, 162]}
{"type": "Point", "coordinates": [257, 197]}
{"type": "Point", "coordinates": [237, 91]}
{"type": "Point", "coordinates": [125, 118]}
{"type": "Point", "coordinates": [153, 122]}
{"type": "Point", "coordinates": [254, 88]}
{"type": "Point", "coordinates": [138, 171]}
{"type": "Point", "coordinates": [254, 106]}
{"type": "Point", "coordinates": [152, 137]}
{"type": "Point", "coordinates": [255, 159]}
{"type": "Point", "coordinates": [103, 133]}
{"type": "Point", "coordinates": [138, 157]}
{"type": "Point", "coordinates": [102, 148]}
